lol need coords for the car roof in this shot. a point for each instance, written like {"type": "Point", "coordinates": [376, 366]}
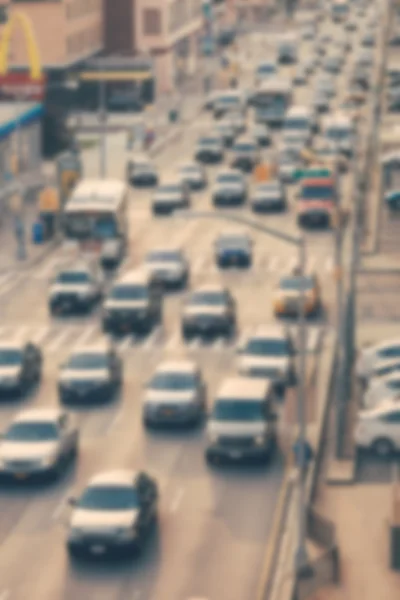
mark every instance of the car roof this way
{"type": "Point", "coordinates": [243, 388]}
{"type": "Point", "coordinates": [101, 346]}
{"type": "Point", "coordinates": [338, 119]}
{"type": "Point", "coordinates": [39, 414]}
{"type": "Point", "coordinates": [13, 343]}
{"type": "Point", "coordinates": [234, 234]}
{"type": "Point", "coordinates": [173, 366]}
{"type": "Point", "coordinates": [190, 164]}
{"type": "Point", "coordinates": [273, 330]}
{"type": "Point", "coordinates": [100, 187]}
{"type": "Point", "coordinates": [160, 249]}
{"type": "Point", "coordinates": [210, 288]}
{"type": "Point", "coordinates": [115, 478]}
{"type": "Point", "coordinates": [299, 111]}
{"type": "Point", "coordinates": [76, 267]}
{"type": "Point", "coordinates": [228, 171]}
{"type": "Point", "coordinates": [139, 276]}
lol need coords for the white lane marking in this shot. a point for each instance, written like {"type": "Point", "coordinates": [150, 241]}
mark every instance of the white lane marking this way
{"type": "Point", "coordinates": [46, 270]}
{"type": "Point", "coordinates": [60, 507]}
{"type": "Point", "coordinates": [125, 344]}
{"type": "Point", "coordinates": [114, 422]}
{"type": "Point", "coordinates": [151, 339]}
{"type": "Point", "coordinates": [59, 339]}
{"type": "Point", "coordinates": [177, 500]}
{"type": "Point", "coordinates": [313, 337]}
{"type": "Point", "coordinates": [194, 344]}
{"type": "Point", "coordinates": [40, 334]}
{"type": "Point", "coordinates": [19, 332]}
{"type": "Point", "coordinates": [173, 342]}
{"type": "Point", "coordinates": [87, 333]}
{"type": "Point", "coordinates": [199, 265]}
{"type": "Point", "coordinates": [219, 344]}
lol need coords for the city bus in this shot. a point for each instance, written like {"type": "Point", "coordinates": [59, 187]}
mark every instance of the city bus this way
{"type": "Point", "coordinates": [97, 213]}
{"type": "Point", "coordinates": [271, 101]}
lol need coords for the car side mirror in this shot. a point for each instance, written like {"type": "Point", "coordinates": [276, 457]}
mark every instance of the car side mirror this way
{"type": "Point", "coordinates": [72, 501]}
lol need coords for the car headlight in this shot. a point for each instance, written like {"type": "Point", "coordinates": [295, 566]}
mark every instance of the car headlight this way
{"type": "Point", "coordinates": [259, 440]}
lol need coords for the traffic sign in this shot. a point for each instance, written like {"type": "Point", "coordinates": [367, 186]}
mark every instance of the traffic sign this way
{"type": "Point", "coordinates": [208, 46]}
{"type": "Point", "coordinates": [15, 86]}
{"type": "Point", "coordinates": [316, 172]}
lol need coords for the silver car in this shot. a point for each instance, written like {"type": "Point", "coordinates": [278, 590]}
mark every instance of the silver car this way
{"type": "Point", "coordinates": [75, 288]}
{"type": "Point", "coordinates": [230, 188]}
{"type": "Point", "coordinates": [175, 395]}
{"type": "Point", "coordinates": [170, 196]}
{"type": "Point", "coordinates": [268, 196]}
{"type": "Point", "coordinates": [168, 266]}
{"type": "Point", "coordinates": [38, 442]}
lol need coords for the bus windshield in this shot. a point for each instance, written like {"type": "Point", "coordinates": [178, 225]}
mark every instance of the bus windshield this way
{"type": "Point", "coordinates": [81, 225]}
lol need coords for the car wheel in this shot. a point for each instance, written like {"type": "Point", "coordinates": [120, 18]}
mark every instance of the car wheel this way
{"type": "Point", "coordinates": [383, 447]}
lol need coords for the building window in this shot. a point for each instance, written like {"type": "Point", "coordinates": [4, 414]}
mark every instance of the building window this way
{"type": "Point", "coordinates": [152, 21]}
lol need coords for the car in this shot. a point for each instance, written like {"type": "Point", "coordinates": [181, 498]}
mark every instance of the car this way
{"type": "Point", "coordinates": [114, 514]}
{"type": "Point", "coordinates": [227, 101]}
{"type": "Point", "coordinates": [112, 252]}
{"type": "Point", "coordinates": [308, 66]}
{"type": "Point", "coordinates": [268, 196]}
{"type": "Point", "coordinates": [39, 442]}
{"type": "Point", "coordinates": [288, 295]}
{"type": "Point", "coordinates": [209, 101]}
{"type": "Point", "coordinates": [245, 154]}
{"type": "Point", "coordinates": [288, 163]}
{"type": "Point", "coordinates": [341, 130]}
{"type": "Point", "coordinates": [385, 367]}
{"type": "Point", "coordinates": [242, 423]}
{"type": "Point", "coordinates": [371, 355]}
{"type": "Point", "coordinates": [237, 120]}
{"type": "Point", "coordinates": [392, 200]}
{"type": "Point", "coordinates": [260, 134]}
{"type": "Point", "coordinates": [265, 70]}
{"type": "Point", "coordinates": [308, 32]}
{"type": "Point", "coordinates": [368, 40]}
{"type": "Point", "coordinates": [351, 25]}
{"type": "Point", "coordinates": [169, 266]}
{"type": "Point", "coordinates": [175, 395]}
{"type": "Point", "coordinates": [365, 58]}
{"type": "Point", "coordinates": [326, 85]}
{"type": "Point", "coordinates": [76, 288]}
{"type": "Point", "coordinates": [209, 310]}
{"type": "Point", "coordinates": [233, 250]}
{"type": "Point", "coordinates": [141, 172]}
{"type": "Point", "coordinates": [173, 194]}
{"type": "Point", "coordinates": [193, 175]}
{"type": "Point", "coordinates": [298, 127]}
{"type": "Point", "coordinates": [133, 304]}
{"type": "Point", "coordinates": [210, 149]}
{"type": "Point", "coordinates": [91, 373]}
{"type": "Point", "coordinates": [381, 388]}
{"type": "Point", "coordinates": [227, 131]}
{"type": "Point", "coordinates": [379, 429]}
{"type": "Point", "coordinates": [20, 366]}
{"type": "Point", "coordinates": [269, 352]}
{"type": "Point", "coordinates": [230, 188]}
{"type": "Point", "coordinates": [321, 101]}
{"type": "Point", "coordinates": [332, 64]}
{"type": "Point", "coordinates": [329, 152]}
{"type": "Point", "coordinates": [301, 75]}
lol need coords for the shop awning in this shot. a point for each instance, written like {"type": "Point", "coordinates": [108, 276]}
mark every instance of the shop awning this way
{"type": "Point", "coordinates": [116, 75]}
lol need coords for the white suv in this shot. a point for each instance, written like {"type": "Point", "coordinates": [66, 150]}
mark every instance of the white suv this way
{"type": "Point", "coordinates": [379, 429]}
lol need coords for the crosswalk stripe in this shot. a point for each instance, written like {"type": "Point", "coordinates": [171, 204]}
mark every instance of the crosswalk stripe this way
{"type": "Point", "coordinates": [40, 334]}
{"type": "Point", "coordinates": [12, 281]}
{"type": "Point", "coordinates": [124, 344]}
{"type": "Point", "coordinates": [82, 339]}
{"type": "Point", "coordinates": [60, 339]}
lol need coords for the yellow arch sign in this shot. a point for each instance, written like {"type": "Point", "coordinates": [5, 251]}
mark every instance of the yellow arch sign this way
{"type": "Point", "coordinates": [31, 43]}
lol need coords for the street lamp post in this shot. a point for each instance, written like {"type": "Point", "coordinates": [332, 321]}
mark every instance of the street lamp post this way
{"type": "Point", "coordinates": [103, 134]}
{"type": "Point", "coordinates": [302, 563]}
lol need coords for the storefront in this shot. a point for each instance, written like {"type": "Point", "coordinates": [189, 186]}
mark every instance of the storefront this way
{"type": "Point", "coordinates": [20, 138]}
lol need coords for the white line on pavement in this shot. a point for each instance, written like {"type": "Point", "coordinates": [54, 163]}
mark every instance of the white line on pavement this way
{"type": "Point", "coordinates": [58, 341]}
{"type": "Point", "coordinates": [60, 507]}
{"type": "Point", "coordinates": [125, 344]}
{"type": "Point", "coordinates": [173, 342]}
{"type": "Point", "coordinates": [86, 335]}
{"type": "Point", "coordinates": [40, 335]}
{"type": "Point", "coordinates": [151, 339]}
{"type": "Point", "coordinates": [114, 422]}
{"type": "Point", "coordinates": [11, 283]}
{"type": "Point", "coordinates": [177, 500]}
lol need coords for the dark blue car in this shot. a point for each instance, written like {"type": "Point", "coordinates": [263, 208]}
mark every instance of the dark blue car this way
{"type": "Point", "coordinates": [234, 251]}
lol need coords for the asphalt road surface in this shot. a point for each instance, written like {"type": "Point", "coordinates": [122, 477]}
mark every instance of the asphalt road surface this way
{"type": "Point", "coordinates": [213, 526]}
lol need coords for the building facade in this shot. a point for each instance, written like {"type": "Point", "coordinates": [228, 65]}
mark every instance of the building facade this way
{"type": "Point", "coordinates": [66, 31]}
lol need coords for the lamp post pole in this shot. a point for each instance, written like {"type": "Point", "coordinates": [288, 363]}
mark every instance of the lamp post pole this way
{"type": "Point", "coordinates": [103, 129]}
{"type": "Point", "coordinates": [302, 563]}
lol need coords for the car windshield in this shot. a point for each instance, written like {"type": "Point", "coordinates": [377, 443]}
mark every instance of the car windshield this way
{"type": "Point", "coordinates": [210, 141]}
{"type": "Point", "coordinates": [208, 299]}
{"type": "Point", "coordinates": [36, 431]}
{"type": "Point", "coordinates": [238, 410]}
{"type": "Point", "coordinates": [317, 192]}
{"type": "Point", "coordinates": [164, 256]}
{"type": "Point", "coordinates": [229, 178]}
{"type": "Point", "coordinates": [267, 347]}
{"type": "Point", "coordinates": [266, 69]}
{"type": "Point", "coordinates": [229, 100]}
{"type": "Point", "coordinates": [296, 283]}
{"type": "Point", "coordinates": [178, 382]}
{"type": "Point", "coordinates": [10, 357]}
{"type": "Point", "coordinates": [299, 124]}
{"type": "Point", "coordinates": [129, 292]}
{"type": "Point", "coordinates": [244, 147]}
{"type": "Point", "coordinates": [190, 169]}
{"type": "Point", "coordinates": [269, 187]}
{"type": "Point", "coordinates": [170, 189]}
{"type": "Point", "coordinates": [88, 360]}
{"type": "Point", "coordinates": [73, 277]}
{"type": "Point", "coordinates": [113, 497]}
{"type": "Point", "coordinates": [338, 133]}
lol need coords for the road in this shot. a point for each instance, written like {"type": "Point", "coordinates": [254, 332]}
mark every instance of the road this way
{"type": "Point", "coordinates": [213, 525]}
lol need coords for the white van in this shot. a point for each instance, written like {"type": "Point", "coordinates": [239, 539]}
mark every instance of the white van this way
{"type": "Point", "coordinates": [340, 129]}
{"type": "Point", "coordinates": [298, 126]}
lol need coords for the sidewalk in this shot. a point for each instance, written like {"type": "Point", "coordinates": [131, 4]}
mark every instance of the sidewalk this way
{"type": "Point", "coordinates": [361, 513]}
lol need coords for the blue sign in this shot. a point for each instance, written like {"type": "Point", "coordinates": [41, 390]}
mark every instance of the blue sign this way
{"type": "Point", "coordinates": [207, 9]}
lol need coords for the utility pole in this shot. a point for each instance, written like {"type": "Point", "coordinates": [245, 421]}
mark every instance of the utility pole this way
{"type": "Point", "coordinates": [103, 128]}
{"type": "Point", "coordinates": [302, 563]}
{"type": "Point", "coordinates": [209, 44]}
{"type": "Point", "coordinates": [339, 388]}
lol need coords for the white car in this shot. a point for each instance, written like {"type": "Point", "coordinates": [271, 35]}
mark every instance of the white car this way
{"type": "Point", "coordinates": [75, 288]}
{"type": "Point", "coordinates": [38, 442]}
{"type": "Point", "coordinates": [176, 394]}
{"type": "Point", "coordinates": [381, 388]}
{"type": "Point", "coordinates": [379, 429]}
{"type": "Point", "coordinates": [113, 514]}
{"type": "Point", "coordinates": [193, 175]}
{"type": "Point", "coordinates": [269, 353]}
{"type": "Point", "coordinates": [168, 266]}
{"type": "Point", "coordinates": [385, 367]}
{"type": "Point", "coordinates": [372, 355]}
{"type": "Point", "coordinates": [230, 188]}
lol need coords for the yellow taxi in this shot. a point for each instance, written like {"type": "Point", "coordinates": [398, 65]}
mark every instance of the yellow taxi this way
{"type": "Point", "coordinates": [288, 295]}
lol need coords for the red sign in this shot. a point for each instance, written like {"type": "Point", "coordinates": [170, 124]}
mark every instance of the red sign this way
{"type": "Point", "coordinates": [20, 86]}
